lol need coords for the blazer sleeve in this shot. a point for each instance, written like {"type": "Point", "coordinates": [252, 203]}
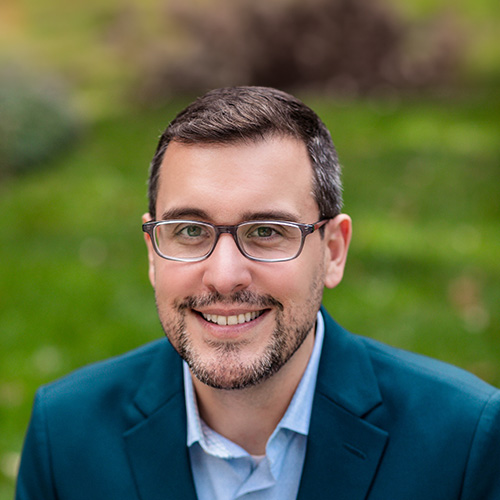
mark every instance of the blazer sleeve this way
{"type": "Point", "coordinates": [482, 475]}
{"type": "Point", "coordinates": [34, 481]}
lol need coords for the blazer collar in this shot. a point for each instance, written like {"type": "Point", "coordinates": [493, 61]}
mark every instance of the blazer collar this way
{"type": "Point", "coordinates": [344, 449]}
{"type": "Point", "coordinates": [346, 374]}
{"type": "Point", "coordinates": [156, 445]}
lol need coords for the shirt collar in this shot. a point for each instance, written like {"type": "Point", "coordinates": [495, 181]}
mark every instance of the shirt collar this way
{"type": "Point", "coordinates": [298, 414]}
{"type": "Point", "coordinates": [296, 418]}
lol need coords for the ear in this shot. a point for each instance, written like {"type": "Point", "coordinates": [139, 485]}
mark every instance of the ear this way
{"type": "Point", "coordinates": [151, 253]}
{"type": "Point", "coordinates": [337, 238]}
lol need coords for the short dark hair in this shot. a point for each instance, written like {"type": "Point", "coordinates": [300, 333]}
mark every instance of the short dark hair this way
{"type": "Point", "coordinates": [234, 114]}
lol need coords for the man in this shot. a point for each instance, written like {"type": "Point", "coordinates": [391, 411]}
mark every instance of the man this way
{"type": "Point", "coordinates": [273, 400]}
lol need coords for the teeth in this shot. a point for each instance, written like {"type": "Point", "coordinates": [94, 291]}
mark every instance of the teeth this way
{"type": "Point", "coordinates": [232, 320]}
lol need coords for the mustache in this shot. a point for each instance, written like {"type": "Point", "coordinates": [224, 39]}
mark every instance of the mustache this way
{"type": "Point", "coordinates": [241, 297]}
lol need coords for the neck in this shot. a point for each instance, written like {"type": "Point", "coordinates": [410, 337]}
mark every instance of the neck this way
{"type": "Point", "coordinates": [249, 416]}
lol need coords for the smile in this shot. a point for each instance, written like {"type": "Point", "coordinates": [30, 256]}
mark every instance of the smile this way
{"type": "Point", "coordinates": [232, 320]}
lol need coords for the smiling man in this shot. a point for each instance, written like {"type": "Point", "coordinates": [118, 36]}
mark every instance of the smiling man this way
{"type": "Point", "coordinates": [257, 393]}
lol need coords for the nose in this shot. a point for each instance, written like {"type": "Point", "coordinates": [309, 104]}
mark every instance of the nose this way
{"type": "Point", "coordinates": [227, 270]}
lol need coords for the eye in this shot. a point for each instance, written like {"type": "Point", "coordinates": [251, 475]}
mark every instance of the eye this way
{"type": "Point", "coordinates": [264, 232]}
{"type": "Point", "coordinates": [192, 231]}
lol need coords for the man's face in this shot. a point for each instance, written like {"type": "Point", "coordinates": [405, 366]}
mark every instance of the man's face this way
{"type": "Point", "coordinates": [275, 303]}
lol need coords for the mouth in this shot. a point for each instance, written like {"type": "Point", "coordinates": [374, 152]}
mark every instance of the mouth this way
{"type": "Point", "coordinates": [236, 319]}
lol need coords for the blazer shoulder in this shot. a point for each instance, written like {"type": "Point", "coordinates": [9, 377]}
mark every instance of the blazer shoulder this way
{"type": "Point", "coordinates": [400, 378]}
{"type": "Point", "coordinates": [425, 372]}
{"type": "Point", "coordinates": [429, 404]}
{"type": "Point", "coordinates": [116, 378]}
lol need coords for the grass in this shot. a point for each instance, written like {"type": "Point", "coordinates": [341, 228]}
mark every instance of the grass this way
{"type": "Point", "coordinates": [421, 183]}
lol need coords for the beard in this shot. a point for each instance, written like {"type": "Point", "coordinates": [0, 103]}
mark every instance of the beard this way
{"type": "Point", "coordinates": [223, 365]}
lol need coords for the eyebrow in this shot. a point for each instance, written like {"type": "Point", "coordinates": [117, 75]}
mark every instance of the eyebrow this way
{"type": "Point", "coordinates": [279, 215]}
{"type": "Point", "coordinates": [183, 213]}
{"type": "Point", "coordinates": [196, 213]}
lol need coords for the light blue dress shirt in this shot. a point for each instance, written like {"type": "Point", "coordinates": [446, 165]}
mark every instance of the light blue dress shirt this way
{"type": "Point", "coordinates": [222, 470]}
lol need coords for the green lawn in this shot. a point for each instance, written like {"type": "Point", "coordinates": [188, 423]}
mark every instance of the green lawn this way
{"type": "Point", "coordinates": [421, 183]}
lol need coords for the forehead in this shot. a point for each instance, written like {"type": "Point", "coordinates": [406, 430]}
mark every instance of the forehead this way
{"type": "Point", "coordinates": [230, 182]}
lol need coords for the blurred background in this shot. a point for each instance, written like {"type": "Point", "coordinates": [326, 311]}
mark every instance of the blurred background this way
{"type": "Point", "coordinates": [409, 90]}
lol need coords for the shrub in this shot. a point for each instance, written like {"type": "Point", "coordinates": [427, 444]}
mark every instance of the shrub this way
{"type": "Point", "coordinates": [36, 118]}
{"type": "Point", "coordinates": [353, 45]}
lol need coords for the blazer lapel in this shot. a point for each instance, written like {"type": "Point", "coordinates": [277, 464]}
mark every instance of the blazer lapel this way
{"type": "Point", "coordinates": [343, 450]}
{"type": "Point", "coordinates": [156, 445]}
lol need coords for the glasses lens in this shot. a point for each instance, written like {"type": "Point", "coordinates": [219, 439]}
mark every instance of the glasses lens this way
{"type": "Point", "coordinates": [270, 240]}
{"type": "Point", "coordinates": [184, 239]}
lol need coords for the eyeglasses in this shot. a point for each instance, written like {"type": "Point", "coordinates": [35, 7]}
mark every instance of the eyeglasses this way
{"type": "Point", "coordinates": [263, 241]}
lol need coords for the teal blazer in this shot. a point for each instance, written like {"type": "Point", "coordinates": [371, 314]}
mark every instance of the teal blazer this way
{"type": "Point", "coordinates": [386, 425]}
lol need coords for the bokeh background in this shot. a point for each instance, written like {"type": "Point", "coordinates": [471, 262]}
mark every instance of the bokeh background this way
{"type": "Point", "coordinates": [410, 91]}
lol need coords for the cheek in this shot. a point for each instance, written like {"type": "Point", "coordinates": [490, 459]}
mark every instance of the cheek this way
{"type": "Point", "coordinates": [308, 282]}
{"type": "Point", "coordinates": [293, 283]}
{"type": "Point", "coordinates": [175, 280]}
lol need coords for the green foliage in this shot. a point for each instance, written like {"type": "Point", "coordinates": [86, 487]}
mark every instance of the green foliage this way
{"type": "Point", "coordinates": [36, 118]}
